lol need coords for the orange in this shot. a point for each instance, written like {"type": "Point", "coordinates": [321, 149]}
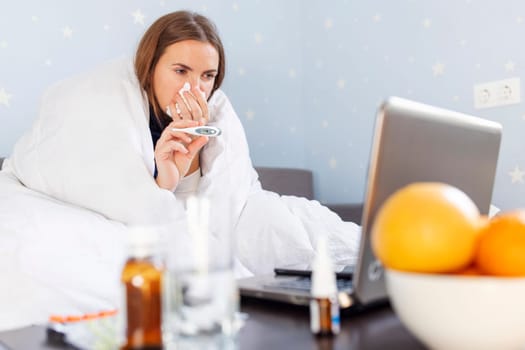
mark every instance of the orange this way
{"type": "Point", "coordinates": [501, 250]}
{"type": "Point", "coordinates": [426, 227]}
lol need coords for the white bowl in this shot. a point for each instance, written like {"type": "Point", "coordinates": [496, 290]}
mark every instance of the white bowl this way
{"type": "Point", "coordinates": [460, 312]}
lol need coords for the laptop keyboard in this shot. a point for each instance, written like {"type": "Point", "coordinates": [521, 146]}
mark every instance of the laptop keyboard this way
{"type": "Point", "coordinates": [305, 284]}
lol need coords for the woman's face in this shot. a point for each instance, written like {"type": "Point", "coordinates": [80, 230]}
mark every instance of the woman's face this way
{"type": "Point", "coordinates": [189, 61]}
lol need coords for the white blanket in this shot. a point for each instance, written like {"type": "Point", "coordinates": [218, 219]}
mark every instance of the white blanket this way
{"type": "Point", "coordinates": [84, 172]}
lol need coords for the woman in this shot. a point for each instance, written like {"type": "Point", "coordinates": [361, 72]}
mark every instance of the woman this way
{"type": "Point", "coordinates": [179, 48]}
{"type": "Point", "coordinates": [87, 170]}
{"type": "Point", "coordinates": [104, 141]}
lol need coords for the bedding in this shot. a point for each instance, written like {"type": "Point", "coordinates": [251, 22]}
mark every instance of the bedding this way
{"type": "Point", "coordinates": [82, 175]}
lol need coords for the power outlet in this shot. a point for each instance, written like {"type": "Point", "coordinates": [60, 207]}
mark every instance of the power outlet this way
{"type": "Point", "coordinates": [497, 93]}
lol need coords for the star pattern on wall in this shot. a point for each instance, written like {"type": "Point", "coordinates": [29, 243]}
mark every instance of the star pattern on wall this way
{"type": "Point", "coordinates": [4, 97]}
{"type": "Point", "coordinates": [438, 69]}
{"type": "Point", "coordinates": [258, 37]}
{"type": "Point", "coordinates": [510, 66]}
{"type": "Point", "coordinates": [426, 25]}
{"type": "Point", "coordinates": [332, 162]}
{"type": "Point", "coordinates": [250, 114]}
{"type": "Point", "coordinates": [138, 17]}
{"type": "Point", "coordinates": [516, 175]}
{"type": "Point", "coordinates": [67, 32]}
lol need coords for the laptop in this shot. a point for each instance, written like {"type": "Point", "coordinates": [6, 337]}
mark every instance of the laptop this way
{"type": "Point", "coordinates": [412, 142]}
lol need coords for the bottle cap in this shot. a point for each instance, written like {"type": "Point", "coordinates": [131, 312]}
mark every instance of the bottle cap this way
{"type": "Point", "coordinates": [323, 275]}
{"type": "Point", "coordinates": [143, 241]}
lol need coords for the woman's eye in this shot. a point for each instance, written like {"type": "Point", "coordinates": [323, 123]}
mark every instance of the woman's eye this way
{"type": "Point", "coordinates": [180, 71]}
{"type": "Point", "coordinates": [209, 76]}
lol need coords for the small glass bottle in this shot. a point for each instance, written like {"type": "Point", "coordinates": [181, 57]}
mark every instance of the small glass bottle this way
{"type": "Point", "coordinates": [141, 280]}
{"type": "Point", "coordinates": [324, 307]}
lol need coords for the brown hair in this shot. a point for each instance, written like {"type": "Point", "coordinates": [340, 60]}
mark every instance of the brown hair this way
{"type": "Point", "coordinates": [167, 30]}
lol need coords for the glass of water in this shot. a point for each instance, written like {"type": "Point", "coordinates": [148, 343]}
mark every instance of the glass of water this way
{"type": "Point", "coordinates": [201, 299]}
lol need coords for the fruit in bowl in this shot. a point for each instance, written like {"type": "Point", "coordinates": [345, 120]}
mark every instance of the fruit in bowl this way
{"type": "Point", "coordinates": [455, 278]}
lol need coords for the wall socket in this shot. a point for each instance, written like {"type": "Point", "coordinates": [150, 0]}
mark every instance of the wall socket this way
{"type": "Point", "coordinates": [497, 93]}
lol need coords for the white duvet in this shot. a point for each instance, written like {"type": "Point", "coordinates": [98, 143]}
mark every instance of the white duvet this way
{"type": "Point", "coordinates": [83, 174]}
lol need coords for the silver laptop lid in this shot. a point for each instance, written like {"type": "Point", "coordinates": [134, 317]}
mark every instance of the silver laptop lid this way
{"type": "Point", "coordinates": [415, 142]}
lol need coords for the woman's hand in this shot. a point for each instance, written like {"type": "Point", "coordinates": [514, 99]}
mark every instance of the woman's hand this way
{"type": "Point", "coordinates": [192, 107]}
{"type": "Point", "coordinates": [174, 153]}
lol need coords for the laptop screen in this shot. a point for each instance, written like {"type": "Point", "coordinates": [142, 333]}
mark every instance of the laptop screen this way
{"type": "Point", "coordinates": [414, 142]}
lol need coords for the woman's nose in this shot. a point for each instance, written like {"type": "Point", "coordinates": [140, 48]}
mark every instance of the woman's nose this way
{"type": "Point", "coordinates": [195, 82]}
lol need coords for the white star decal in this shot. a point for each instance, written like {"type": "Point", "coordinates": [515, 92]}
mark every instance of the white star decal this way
{"type": "Point", "coordinates": [438, 69]}
{"type": "Point", "coordinates": [250, 114]}
{"type": "Point", "coordinates": [34, 18]}
{"type": "Point", "coordinates": [4, 97]}
{"type": "Point", "coordinates": [138, 17]}
{"type": "Point", "coordinates": [516, 175]}
{"type": "Point", "coordinates": [509, 66]}
{"type": "Point", "coordinates": [324, 124]}
{"type": "Point", "coordinates": [332, 163]}
{"type": "Point", "coordinates": [411, 59]}
{"type": "Point", "coordinates": [106, 27]}
{"type": "Point", "coordinates": [427, 23]}
{"type": "Point", "coordinates": [67, 32]}
{"type": "Point", "coordinates": [293, 129]}
{"type": "Point", "coordinates": [519, 20]}
{"type": "Point", "coordinates": [241, 71]}
{"type": "Point", "coordinates": [258, 38]}
{"type": "Point", "coordinates": [3, 44]}
{"type": "Point", "coordinates": [292, 73]}
{"type": "Point", "coordinates": [48, 62]}
{"type": "Point", "coordinates": [463, 42]}
{"type": "Point", "coordinates": [377, 17]}
{"type": "Point", "coordinates": [341, 83]}
{"type": "Point", "coordinates": [328, 23]}
{"type": "Point", "coordinates": [235, 7]}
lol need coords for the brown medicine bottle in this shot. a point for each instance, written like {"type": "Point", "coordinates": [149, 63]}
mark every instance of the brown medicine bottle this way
{"type": "Point", "coordinates": [141, 281]}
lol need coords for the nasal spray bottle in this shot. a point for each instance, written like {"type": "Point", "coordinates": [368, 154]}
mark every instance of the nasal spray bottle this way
{"type": "Point", "coordinates": [141, 279]}
{"type": "Point", "coordinates": [324, 307]}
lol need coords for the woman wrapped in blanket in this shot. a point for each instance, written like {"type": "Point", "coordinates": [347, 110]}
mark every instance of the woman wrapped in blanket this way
{"type": "Point", "coordinates": [109, 141]}
{"type": "Point", "coordinates": [180, 64]}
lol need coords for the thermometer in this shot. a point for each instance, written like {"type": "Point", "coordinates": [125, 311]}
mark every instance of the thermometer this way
{"type": "Point", "coordinates": [210, 131]}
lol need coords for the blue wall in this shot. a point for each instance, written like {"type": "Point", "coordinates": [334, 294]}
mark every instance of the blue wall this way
{"type": "Point", "coordinates": [298, 71]}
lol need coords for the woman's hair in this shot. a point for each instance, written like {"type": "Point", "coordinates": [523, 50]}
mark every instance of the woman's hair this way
{"type": "Point", "coordinates": [167, 30]}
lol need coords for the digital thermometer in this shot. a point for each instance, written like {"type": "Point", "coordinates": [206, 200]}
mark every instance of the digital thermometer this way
{"type": "Point", "coordinates": [210, 131]}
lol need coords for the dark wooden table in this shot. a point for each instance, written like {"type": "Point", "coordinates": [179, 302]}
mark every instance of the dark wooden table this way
{"type": "Point", "coordinates": [277, 326]}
